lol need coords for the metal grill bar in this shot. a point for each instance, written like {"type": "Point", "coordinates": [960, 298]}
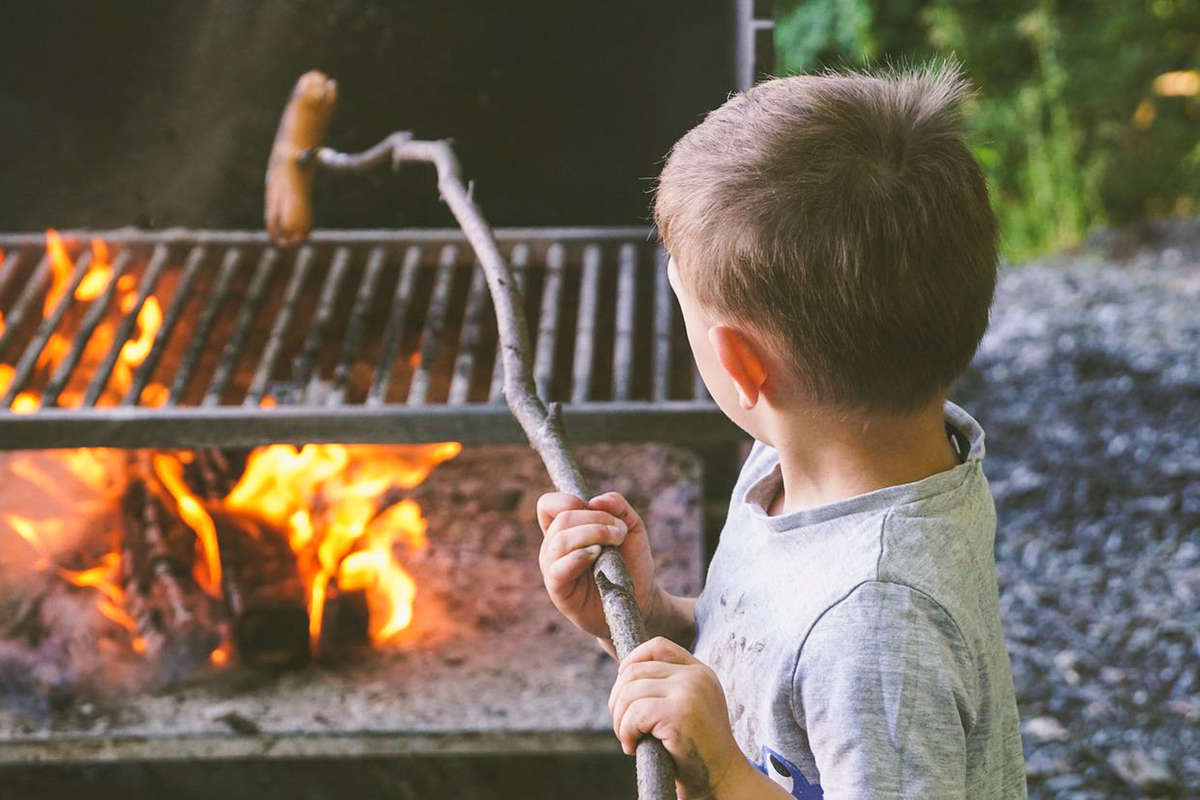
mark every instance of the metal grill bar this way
{"type": "Point", "coordinates": [94, 314]}
{"type": "Point", "coordinates": [9, 269]}
{"type": "Point", "coordinates": [15, 317]}
{"type": "Point", "coordinates": [543, 360]}
{"type": "Point", "coordinates": [662, 327]}
{"type": "Point", "coordinates": [258, 385]}
{"type": "Point", "coordinates": [477, 298]}
{"type": "Point", "coordinates": [520, 263]}
{"type": "Point", "coordinates": [395, 326]}
{"type": "Point", "coordinates": [585, 325]}
{"type": "Point", "coordinates": [326, 237]}
{"type": "Point", "coordinates": [150, 363]}
{"type": "Point", "coordinates": [149, 281]}
{"type": "Point", "coordinates": [44, 331]}
{"type": "Point", "coordinates": [357, 324]}
{"type": "Point", "coordinates": [303, 365]}
{"type": "Point", "coordinates": [439, 302]}
{"type": "Point", "coordinates": [623, 339]}
{"type": "Point", "coordinates": [315, 319]}
{"type": "Point", "coordinates": [204, 327]}
{"type": "Point", "coordinates": [241, 328]}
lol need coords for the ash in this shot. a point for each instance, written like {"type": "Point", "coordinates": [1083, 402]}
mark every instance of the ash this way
{"type": "Point", "coordinates": [1088, 386]}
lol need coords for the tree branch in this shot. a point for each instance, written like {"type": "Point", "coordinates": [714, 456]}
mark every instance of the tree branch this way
{"type": "Point", "coordinates": [542, 425]}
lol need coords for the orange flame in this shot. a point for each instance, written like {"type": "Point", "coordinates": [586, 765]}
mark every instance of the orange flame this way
{"type": "Point", "coordinates": [170, 471]}
{"type": "Point", "coordinates": [99, 273]}
{"type": "Point", "coordinates": [103, 578]}
{"type": "Point", "coordinates": [326, 497]}
{"type": "Point", "coordinates": [26, 403]}
{"type": "Point", "coordinates": [61, 267]}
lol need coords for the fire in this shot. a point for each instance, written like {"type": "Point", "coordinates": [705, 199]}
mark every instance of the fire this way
{"type": "Point", "coordinates": [95, 283]}
{"type": "Point", "coordinates": [103, 578]}
{"type": "Point", "coordinates": [61, 268]}
{"type": "Point", "coordinates": [99, 274]}
{"type": "Point", "coordinates": [327, 498]}
{"type": "Point", "coordinates": [334, 503]}
{"type": "Point", "coordinates": [208, 573]}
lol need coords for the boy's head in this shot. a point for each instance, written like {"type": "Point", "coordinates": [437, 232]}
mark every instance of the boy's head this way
{"type": "Point", "coordinates": [842, 220]}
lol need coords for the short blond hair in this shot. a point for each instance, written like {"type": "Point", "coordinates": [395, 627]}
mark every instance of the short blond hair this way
{"type": "Point", "coordinates": [844, 217]}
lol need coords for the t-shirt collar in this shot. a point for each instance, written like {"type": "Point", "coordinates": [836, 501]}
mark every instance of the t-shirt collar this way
{"type": "Point", "coordinates": [758, 495]}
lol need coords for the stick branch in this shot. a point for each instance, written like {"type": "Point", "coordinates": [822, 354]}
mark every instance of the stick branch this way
{"type": "Point", "coordinates": [542, 424]}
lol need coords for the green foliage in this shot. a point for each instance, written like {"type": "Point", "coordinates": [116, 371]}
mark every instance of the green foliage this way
{"type": "Point", "coordinates": [1066, 123]}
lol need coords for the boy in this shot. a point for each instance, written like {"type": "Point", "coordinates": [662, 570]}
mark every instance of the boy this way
{"type": "Point", "coordinates": [833, 253]}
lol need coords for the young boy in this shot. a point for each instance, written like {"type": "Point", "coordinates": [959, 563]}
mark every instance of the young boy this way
{"type": "Point", "coordinates": [833, 252]}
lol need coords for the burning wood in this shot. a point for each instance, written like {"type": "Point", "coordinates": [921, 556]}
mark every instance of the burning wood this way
{"type": "Point", "coordinates": [261, 585]}
{"type": "Point", "coordinates": [178, 624]}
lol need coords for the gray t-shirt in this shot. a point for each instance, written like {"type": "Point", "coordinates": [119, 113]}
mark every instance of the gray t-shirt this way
{"type": "Point", "coordinates": [859, 643]}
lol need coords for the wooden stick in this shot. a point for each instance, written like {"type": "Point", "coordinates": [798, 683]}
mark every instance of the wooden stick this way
{"type": "Point", "coordinates": [541, 423]}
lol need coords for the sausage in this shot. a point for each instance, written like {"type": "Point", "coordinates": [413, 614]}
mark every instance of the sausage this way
{"type": "Point", "coordinates": [288, 212]}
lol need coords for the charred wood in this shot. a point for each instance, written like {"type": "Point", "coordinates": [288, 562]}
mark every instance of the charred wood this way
{"type": "Point", "coordinates": [178, 623]}
{"type": "Point", "coordinates": [263, 592]}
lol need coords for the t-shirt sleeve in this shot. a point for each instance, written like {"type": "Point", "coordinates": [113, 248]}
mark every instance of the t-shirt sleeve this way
{"type": "Point", "coordinates": [885, 688]}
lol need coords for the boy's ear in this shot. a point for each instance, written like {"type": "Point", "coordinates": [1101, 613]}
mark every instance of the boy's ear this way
{"type": "Point", "coordinates": [740, 358]}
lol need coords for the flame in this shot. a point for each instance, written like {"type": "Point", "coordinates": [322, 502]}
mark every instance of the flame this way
{"type": "Point", "coordinates": [96, 280]}
{"type": "Point", "coordinates": [220, 656]}
{"type": "Point", "coordinates": [99, 273]}
{"type": "Point", "coordinates": [26, 403]}
{"type": "Point", "coordinates": [149, 320]}
{"type": "Point", "coordinates": [208, 574]}
{"type": "Point", "coordinates": [331, 501]}
{"type": "Point", "coordinates": [56, 347]}
{"type": "Point", "coordinates": [103, 578]}
{"type": "Point", "coordinates": [326, 498]}
{"type": "Point", "coordinates": [61, 267]}
{"type": "Point", "coordinates": [390, 589]}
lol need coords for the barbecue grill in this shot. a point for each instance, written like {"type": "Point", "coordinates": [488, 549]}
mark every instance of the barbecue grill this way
{"type": "Point", "coordinates": [356, 336]}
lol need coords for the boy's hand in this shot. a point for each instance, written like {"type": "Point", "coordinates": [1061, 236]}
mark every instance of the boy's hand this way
{"type": "Point", "coordinates": [663, 691]}
{"type": "Point", "coordinates": [574, 532]}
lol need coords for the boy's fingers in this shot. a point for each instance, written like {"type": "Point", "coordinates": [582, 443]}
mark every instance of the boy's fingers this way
{"type": "Point", "coordinates": [568, 568]}
{"type": "Point", "coordinates": [619, 507]}
{"type": "Point", "coordinates": [645, 671]}
{"type": "Point", "coordinates": [657, 649]}
{"type": "Point", "coordinates": [641, 716]}
{"type": "Point", "coordinates": [576, 517]}
{"type": "Point", "coordinates": [552, 504]}
{"type": "Point", "coordinates": [557, 545]}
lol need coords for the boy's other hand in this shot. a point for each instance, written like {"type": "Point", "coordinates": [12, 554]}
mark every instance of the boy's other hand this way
{"type": "Point", "coordinates": [663, 691]}
{"type": "Point", "coordinates": [573, 533]}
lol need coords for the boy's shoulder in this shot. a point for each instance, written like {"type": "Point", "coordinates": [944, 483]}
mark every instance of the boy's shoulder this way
{"type": "Point", "coordinates": [934, 536]}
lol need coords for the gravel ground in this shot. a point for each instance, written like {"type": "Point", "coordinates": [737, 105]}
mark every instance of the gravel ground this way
{"type": "Point", "coordinates": [1088, 385]}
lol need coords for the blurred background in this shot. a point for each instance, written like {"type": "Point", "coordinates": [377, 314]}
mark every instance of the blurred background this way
{"type": "Point", "coordinates": [1087, 113]}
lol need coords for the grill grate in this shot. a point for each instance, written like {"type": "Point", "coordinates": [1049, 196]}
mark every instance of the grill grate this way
{"type": "Point", "coordinates": [355, 336]}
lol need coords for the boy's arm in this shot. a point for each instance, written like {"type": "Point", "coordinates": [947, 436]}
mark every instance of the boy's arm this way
{"type": "Point", "coordinates": [674, 617]}
{"type": "Point", "coordinates": [886, 689]}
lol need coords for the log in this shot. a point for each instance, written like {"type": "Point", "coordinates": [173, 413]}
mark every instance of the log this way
{"type": "Point", "coordinates": [178, 623]}
{"type": "Point", "coordinates": [264, 595]}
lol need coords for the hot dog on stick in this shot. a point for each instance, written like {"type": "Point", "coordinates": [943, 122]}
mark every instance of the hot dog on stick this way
{"type": "Point", "coordinates": [292, 164]}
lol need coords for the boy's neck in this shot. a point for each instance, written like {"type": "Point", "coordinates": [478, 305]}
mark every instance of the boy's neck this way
{"type": "Point", "coordinates": [828, 456]}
